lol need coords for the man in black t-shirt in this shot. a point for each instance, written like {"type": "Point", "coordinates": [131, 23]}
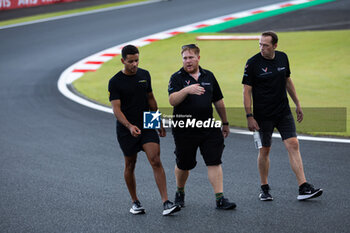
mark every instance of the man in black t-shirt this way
{"type": "Point", "coordinates": [267, 79]}
{"type": "Point", "coordinates": [192, 91]}
{"type": "Point", "coordinates": [130, 93]}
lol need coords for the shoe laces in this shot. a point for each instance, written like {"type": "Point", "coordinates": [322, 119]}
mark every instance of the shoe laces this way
{"type": "Point", "coordinates": [265, 189]}
{"type": "Point", "coordinates": [308, 186]}
{"type": "Point", "coordinates": [222, 200]}
{"type": "Point", "coordinates": [137, 204]}
{"type": "Point", "coordinates": [167, 204]}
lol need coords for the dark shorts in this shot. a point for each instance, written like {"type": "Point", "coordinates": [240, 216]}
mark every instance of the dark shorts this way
{"type": "Point", "coordinates": [132, 145]}
{"type": "Point", "coordinates": [210, 143]}
{"type": "Point", "coordinates": [284, 125]}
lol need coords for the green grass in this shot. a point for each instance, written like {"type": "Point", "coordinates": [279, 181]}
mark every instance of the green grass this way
{"type": "Point", "coordinates": [60, 13]}
{"type": "Point", "coordinates": [248, 19]}
{"type": "Point", "coordinates": [318, 60]}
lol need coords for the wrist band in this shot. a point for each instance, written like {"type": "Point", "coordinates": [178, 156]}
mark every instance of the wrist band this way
{"type": "Point", "coordinates": [224, 123]}
{"type": "Point", "coordinates": [249, 115]}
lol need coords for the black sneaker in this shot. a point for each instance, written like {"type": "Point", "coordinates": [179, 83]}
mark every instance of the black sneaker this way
{"type": "Point", "coordinates": [137, 208]}
{"type": "Point", "coordinates": [225, 204]}
{"type": "Point", "coordinates": [264, 194]}
{"type": "Point", "coordinates": [180, 199]}
{"type": "Point", "coordinates": [307, 191]}
{"type": "Point", "coordinates": [170, 208]}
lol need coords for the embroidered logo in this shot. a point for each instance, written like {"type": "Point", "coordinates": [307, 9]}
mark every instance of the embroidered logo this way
{"type": "Point", "coordinates": [265, 72]}
{"type": "Point", "coordinates": [169, 86]}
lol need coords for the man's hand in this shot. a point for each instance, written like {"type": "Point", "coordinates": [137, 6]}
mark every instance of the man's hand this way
{"type": "Point", "coordinates": [252, 124]}
{"type": "Point", "coordinates": [195, 89]}
{"type": "Point", "coordinates": [161, 132]}
{"type": "Point", "coordinates": [300, 114]}
{"type": "Point", "coordinates": [134, 130]}
{"type": "Point", "coordinates": [225, 130]}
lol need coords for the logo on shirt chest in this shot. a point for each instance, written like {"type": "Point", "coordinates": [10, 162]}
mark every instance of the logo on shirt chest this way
{"type": "Point", "coordinates": [142, 84]}
{"type": "Point", "coordinates": [265, 71]}
{"type": "Point", "coordinates": [188, 82]}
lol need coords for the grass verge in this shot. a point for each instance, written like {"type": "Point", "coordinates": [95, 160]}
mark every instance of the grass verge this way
{"type": "Point", "coordinates": [319, 66]}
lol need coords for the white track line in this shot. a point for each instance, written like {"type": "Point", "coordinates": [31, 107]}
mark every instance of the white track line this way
{"type": "Point", "coordinates": [300, 137]}
{"type": "Point", "coordinates": [78, 69]}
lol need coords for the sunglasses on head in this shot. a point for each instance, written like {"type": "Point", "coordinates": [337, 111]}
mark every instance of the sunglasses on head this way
{"type": "Point", "coordinates": [190, 46]}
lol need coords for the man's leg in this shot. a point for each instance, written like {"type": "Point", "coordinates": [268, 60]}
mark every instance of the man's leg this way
{"type": "Point", "coordinates": [181, 177]}
{"type": "Point", "coordinates": [152, 151]}
{"type": "Point", "coordinates": [212, 147]}
{"type": "Point", "coordinates": [263, 167]}
{"type": "Point", "coordinates": [292, 145]}
{"type": "Point", "coordinates": [129, 175]}
{"type": "Point", "coordinates": [263, 161]}
{"type": "Point", "coordinates": [306, 190]}
{"type": "Point", "coordinates": [216, 178]}
{"type": "Point", "coordinates": [185, 161]}
{"type": "Point", "coordinates": [286, 127]}
{"type": "Point", "coordinates": [264, 164]}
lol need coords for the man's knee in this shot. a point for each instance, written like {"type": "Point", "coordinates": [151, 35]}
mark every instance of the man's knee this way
{"type": "Point", "coordinates": [264, 151]}
{"type": "Point", "coordinates": [155, 161]}
{"type": "Point", "coordinates": [292, 144]}
{"type": "Point", "coordinates": [130, 165]}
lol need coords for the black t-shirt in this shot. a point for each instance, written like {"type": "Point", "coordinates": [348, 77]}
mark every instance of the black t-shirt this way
{"type": "Point", "coordinates": [268, 80]}
{"type": "Point", "coordinates": [132, 91]}
{"type": "Point", "coordinates": [195, 106]}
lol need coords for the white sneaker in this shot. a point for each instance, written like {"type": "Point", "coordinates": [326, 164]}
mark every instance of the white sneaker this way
{"type": "Point", "coordinates": [137, 208]}
{"type": "Point", "coordinates": [170, 208]}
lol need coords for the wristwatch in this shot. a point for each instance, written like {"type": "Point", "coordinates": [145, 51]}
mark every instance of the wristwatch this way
{"type": "Point", "coordinates": [249, 115]}
{"type": "Point", "coordinates": [225, 123]}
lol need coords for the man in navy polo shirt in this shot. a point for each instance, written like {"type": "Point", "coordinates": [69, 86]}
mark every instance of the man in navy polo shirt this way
{"type": "Point", "coordinates": [267, 79]}
{"type": "Point", "coordinates": [192, 91]}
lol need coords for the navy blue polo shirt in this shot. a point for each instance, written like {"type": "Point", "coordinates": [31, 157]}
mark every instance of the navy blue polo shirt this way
{"type": "Point", "coordinates": [196, 106]}
{"type": "Point", "coordinates": [268, 80]}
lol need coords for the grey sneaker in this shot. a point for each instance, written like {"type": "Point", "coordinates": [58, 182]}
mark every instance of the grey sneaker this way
{"type": "Point", "coordinates": [180, 199]}
{"type": "Point", "coordinates": [307, 191]}
{"type": "Point", "coordinates": [264, 194]}
{"type": "Point", "coordinates": [170, 208]}
{"type": "Point", "coordinates": [137, 208]}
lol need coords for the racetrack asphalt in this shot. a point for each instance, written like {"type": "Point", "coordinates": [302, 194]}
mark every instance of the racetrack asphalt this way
{"type": "Point", "coordinates": [329, 16]}
{"type": "Point", "coordinates": [64, 6]}
{"type": "Point", "coordinates": [62, 171]}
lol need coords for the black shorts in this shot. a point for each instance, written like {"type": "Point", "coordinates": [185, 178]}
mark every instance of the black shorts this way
{"type": "Point", "coordinates": [131, 145]}
{"type": "Point", "coordinates": [210, 143]}
{"type": "Point", "coordinates": [284, 125]}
